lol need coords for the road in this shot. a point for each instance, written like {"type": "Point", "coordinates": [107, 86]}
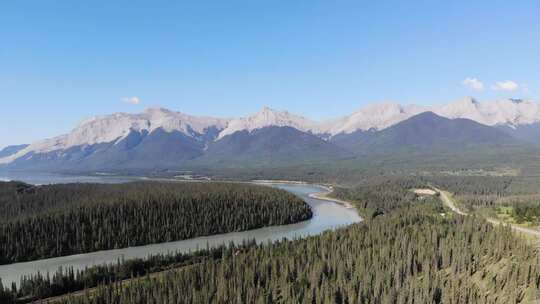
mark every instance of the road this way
{"type": "Point", "coordinates": [445, 197]}
{"type": "Point", "coordinates": [449, 202]}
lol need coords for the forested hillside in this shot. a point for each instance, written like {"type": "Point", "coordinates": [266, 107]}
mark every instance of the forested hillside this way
{"type": "Point", "coordinates": [411, 255]}
{"type": "Point", "coordinates": [416, 252]}
{"type": "Point", "coordinates": [514, 200]}
{"type": "Point", "coordinates": [47, 221]}
{"type": "Point", "coordinates": [378, 197]}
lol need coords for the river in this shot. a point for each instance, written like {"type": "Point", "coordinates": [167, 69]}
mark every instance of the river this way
{"type": "Point", "coordinates": [326, 215]}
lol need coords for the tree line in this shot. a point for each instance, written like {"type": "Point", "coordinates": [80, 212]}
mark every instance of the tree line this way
{"type": "Point", "coordinates": [38, 286]}
{"type": "Point", "coordinates": [410, 255]}
{"type": "Point", "coordinates": [380, 196]}
{"type": "Point", "coordinates": [527, 212]}
{"type": "Point", "coordinates": [413, 253]}
{"type": "Point", "coordinates": [48, 221]}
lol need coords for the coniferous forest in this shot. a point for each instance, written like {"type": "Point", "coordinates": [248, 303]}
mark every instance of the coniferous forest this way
{"type": "Point", "coordinates": [47, 221]}
{"type": "Point", "coordinates": [412, 254]}
{"type": "Point", "coordinates": [415, 251]}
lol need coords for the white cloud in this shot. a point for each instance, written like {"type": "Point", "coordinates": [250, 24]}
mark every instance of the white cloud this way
{"type": "Point", "coordinates": [473, 83]}
{"type": "Point", "coordinates": [132, 100]}
{"type": "Point", "coordinates": [507, 85]}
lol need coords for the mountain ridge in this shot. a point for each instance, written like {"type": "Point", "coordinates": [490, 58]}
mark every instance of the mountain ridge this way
{"type": "Point", "coordinates": [124, 138]}
{"type": "Point", "coordinates": [431, 131]}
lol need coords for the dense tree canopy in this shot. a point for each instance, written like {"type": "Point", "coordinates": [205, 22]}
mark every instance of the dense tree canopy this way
{"type": "Point", "coordinates": [414, 252]}
{"type": "Point", "coordinates": [378, 198]}
{"type": "Point", "coordinates": [48, 221]}
{"type": "Point", "coordinates": [412, 255]}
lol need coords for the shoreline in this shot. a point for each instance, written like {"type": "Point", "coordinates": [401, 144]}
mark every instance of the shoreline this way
{"type": "Point", "coordinates": [191, 244]}
{"type": "Point", "coordinates": [324, 196]}
{"type": "Point", "coordinates": [278, 181]}
{"type": "Point", "coordinates": [318, 195]}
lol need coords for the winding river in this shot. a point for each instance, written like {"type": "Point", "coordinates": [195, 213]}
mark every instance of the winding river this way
{"type": "Point", "coordinates": [326, 215]}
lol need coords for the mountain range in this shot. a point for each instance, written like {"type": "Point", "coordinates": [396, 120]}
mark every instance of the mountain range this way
{"type": "Point", "coordinates": [161, 138]}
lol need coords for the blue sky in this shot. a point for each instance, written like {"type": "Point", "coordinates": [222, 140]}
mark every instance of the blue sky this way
{"type": "Point", "coordinates": [62, 61]}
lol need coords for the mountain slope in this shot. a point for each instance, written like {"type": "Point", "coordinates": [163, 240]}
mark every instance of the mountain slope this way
{"type": "Point", "coordinates": [160, 138]}
{"type": "Point", "coordinates": [371, 117]}
{"type": "Point", "coordinates": [526, 132]}
{"type": "Point", "coordinates": [512, 113]}
{"type": "Point", "coordinates": [10, 150]}
{"type": "Point", "coordinates": [428, 132]}
{"type": "Point", "coordinates": [158, 149]}
{"type": "Point", "coordinates": [113, 128]}
{"type": "Point", "coordinates": [270, 145]}
{"type": "Point", "coordinates": [137, 150]}
{"type": "Point", "coordinates": [509, 112]}
{"type": "Point", "coordinates": [268, 118]}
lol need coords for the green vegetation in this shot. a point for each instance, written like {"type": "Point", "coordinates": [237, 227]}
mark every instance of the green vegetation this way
{"type": "Point", "coordinates": [411, 254]}
{"type": "Point", "coordinates": [378, 197]}
{"type": "Point", "coordinates": [63, 281]}
{"type": "Point", "coordinates": [529, 212]}
{"type": "Point", "coordinates": [48, 221]}
{"type": "Point", "coordinates": [513, 199]}
{"type": "Point", "coordinates": [480, 161]}
{"type": "Point", "coordinates": [524, 214]}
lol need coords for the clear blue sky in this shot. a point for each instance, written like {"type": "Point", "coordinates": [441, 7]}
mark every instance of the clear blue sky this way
{"type": "Point", "coordinates": [62, 61]}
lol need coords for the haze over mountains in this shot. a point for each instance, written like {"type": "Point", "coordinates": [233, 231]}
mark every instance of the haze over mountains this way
{"type": "Point", "coordinates": [160, 138]}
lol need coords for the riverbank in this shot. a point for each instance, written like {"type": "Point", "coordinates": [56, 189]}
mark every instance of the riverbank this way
{"type": "Point", "coordinates": [278, 181]}
{"type": "Point", "coordinates": [324, 196]}
{"type": "Point", "coordinates": [317, 195]}
{"type": "Point", "coordinates": [321, 196]}
{"type": "Point", "coordinates": [327, 215]}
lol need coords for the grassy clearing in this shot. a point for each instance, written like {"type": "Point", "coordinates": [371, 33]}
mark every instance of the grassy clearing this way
{"type": "Point", "coordinates": [507, 215]}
